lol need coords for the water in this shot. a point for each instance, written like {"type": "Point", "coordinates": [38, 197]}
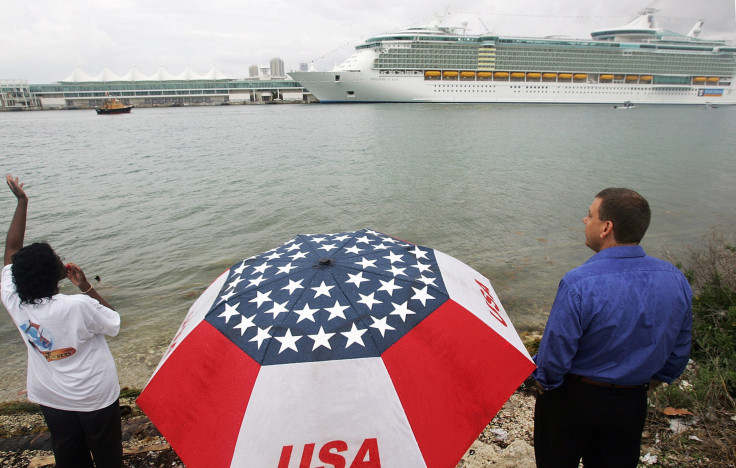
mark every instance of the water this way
{"type": "Point", "coordinates": [159, 202]}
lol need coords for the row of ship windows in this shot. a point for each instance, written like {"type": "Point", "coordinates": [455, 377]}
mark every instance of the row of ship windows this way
{"type": "Point", "coordinates": [565, 91]}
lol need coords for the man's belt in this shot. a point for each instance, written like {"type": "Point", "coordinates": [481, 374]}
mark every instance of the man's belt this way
{"type": "Point", "coordinates": [586, 380]}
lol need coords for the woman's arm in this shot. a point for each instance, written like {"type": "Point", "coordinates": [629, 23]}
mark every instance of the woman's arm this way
{"type": "Point", "coordinates": [17, 231]}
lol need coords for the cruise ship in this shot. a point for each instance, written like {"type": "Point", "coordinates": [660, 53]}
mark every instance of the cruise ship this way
{"type": "Point", "coordinates": [638, 63]}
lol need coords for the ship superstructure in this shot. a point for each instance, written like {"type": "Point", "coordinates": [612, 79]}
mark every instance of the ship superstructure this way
{"type": "Point", "coordinates": [639, 62]}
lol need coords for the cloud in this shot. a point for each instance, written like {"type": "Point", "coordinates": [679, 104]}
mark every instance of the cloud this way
{"type": "Point", "coordinates": [45, 40]}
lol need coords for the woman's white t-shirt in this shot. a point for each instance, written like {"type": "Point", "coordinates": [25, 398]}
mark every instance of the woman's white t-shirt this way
{"type": "Point", "coordinates": [70, 366]}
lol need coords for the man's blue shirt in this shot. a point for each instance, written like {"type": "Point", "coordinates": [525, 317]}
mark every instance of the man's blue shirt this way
{"type": "Point", "coordinates": [622, 317]}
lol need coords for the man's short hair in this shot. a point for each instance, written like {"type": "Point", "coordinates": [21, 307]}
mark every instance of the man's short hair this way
{"type": "Point", "coordinates": [628, 211]}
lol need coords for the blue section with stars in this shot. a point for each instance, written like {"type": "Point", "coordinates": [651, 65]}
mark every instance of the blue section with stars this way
{"type": "Point", "coordinates": [324, 297]}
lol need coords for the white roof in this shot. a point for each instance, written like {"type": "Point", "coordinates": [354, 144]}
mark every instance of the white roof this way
{"type": "Point", "coordinates": [162, 74]}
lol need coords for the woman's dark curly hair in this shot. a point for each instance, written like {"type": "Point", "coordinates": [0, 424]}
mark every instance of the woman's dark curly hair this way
{"type": "Point", "coordinates": [37, 271]}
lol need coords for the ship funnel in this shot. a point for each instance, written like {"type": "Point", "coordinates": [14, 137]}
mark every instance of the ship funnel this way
{"type": "Point", "coordinates": [695, 31]}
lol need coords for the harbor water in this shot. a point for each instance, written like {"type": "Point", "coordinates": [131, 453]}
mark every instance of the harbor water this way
{"type": "Point", "coordinates": [159, 202]}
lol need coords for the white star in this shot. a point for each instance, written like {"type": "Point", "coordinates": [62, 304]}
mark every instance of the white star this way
{"type": "Point", "coordinates": [393, 257]}
{"type": "Point", "coordinates": [322, 290]}
{"type": "Point", "coordinates": [277, 309]}
{"type": "Point", "coordinates": [354, 336]}
{"type": "Point", "coordinates": [336, 310]}
{"type": "Point", "coordinates": [357, 278]}
{"type": "Point", "coordinates": [240, 269]}
{"type": "Point", "coordinates": [262, 268]}
{"type": "Point", "coordinates": [319, 240]}
{"type": "Point", "coordinates": [294, 247]}
{"type": "Point", "coordinates": [422, 267]}
{"type": "Point", "coordinates": [321, 339]}
{"type": "Point", "coordinates": [369, 300]}
{"type": "Point", "coordinates": [341, 238]}
{"type": "Point", "coordinates": [256, 281]}
{"type": "Point", "coordinates": [381, 247]}
{"type": "Point", "coordinates": [299, 255]}
{"type": "Point", "coordinates": [273, 256]}
{"type": "Point", "coordinates": [363, 239]}
{"type": "Point", "coordinates": [230, 310]}
{"type": "Point", "coordinates": [327, 247]}
{"type": "Point", "coordinates": [234, 282]}
{"type": "Point", "coordinates": [354, 250]}
{"type": "Point", "coordinates": [294, 285]}
{"type": "Point", "coordinates": [306, 313]}
{"type": "Point", "coordinates": [388, 286]}
{"type": "Point", "coordinates": [261, 336]}
{"type": "Point", "coordinates": [366, 263]}
{"type": "Point", "coordinates": [371, 231]}
{"type": "Point", "coordinates": [397, 271]}
{"type": "Point", "coordinates": [288, 341]}
{"type": "Point", "coordinates": [418, 252]}
{"type": "Point", "coordinates": [286, 268]}
{"type": "Point", "coordinates": [227, 296]}
{"type": "Point", "coordinates": [381, 325]}
{"type": "Point", "coordinates": [427, 280]}
{"type": "Point", "coordinates": [421, 295]}
{"type": "Point", "coordinates": [402, 310]}
{"type": "Point", "coordinates": [261, 297]}
{"type": "Point", "coordinates": [245, 323]}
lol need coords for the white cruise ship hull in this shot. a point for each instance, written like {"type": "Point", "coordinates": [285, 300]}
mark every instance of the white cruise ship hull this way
{"type": "Point", "coordinates": [370, 86]}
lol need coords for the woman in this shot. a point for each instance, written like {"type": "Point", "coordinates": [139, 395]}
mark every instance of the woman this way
{"type": "Point", "coordinates": [71, 372]}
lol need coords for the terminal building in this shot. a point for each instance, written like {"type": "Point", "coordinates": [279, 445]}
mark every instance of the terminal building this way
{"type": "Point", "coordinates": [162, 89]}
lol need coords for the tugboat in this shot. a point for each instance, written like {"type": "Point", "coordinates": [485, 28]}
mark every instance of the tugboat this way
{"type": "Point", "coordinates": [113, 106]}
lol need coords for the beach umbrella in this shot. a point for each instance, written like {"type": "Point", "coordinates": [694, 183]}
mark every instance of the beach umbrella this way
{"type": "Point", "coordinates": [349, 350]}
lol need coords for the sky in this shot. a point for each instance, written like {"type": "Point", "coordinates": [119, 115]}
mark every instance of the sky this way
{"type": "Point", "coordinates": [44, 41]}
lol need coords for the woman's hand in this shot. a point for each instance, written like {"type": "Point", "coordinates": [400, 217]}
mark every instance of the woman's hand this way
{"type": "Point", "coordinates": [76, 276]}
{"type": "Point", "coordinates": [16, 187]}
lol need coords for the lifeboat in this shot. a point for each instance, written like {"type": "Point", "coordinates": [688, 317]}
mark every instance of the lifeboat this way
{"type": "Point", "coordinates": [646, 78]}
{"type": "Point", "coordinates": [699, 79]}
{"type": "Point", "coordinates": [533, 75]}
{"type": "Point", "coordinates": [502, 75]}
{"type": "Point", "coordinates": [618, 77]}
{"type": "Point", "coordinates": [713, 79]}
{"type": "Point", "coordinates": [484, 74]}
{"type": "Point", "coordinates": [449, 74]}
{"type": "Point", "coordinates": [113, 106]}
{"type": "Point", "coordinates": [580, 76]}
{"type": "Point", "coordinates": [467, 74]}
{"type": "Point", "coordinates": [565, 76]}
{"type": "Point", "coordinates": [549, 76]}
{"type": "Point", "coordinates": [431, 74]}
{"type": "Point", "coordinates": [606, 77]}
{"type": "Point", "coordinates": [517, 75]}
{"type": "Point", "coordinates": [632, 77]}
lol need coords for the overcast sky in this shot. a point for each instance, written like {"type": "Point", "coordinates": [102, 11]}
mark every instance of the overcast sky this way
{"type": "Point", "coordinates": [44, 41]}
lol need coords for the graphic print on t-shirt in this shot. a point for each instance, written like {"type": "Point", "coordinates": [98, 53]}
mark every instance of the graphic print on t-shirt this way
{"type": "Point", "coordinates": [43, 341]}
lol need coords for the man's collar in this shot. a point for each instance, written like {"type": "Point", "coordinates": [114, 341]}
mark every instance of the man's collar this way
{"type": "Point", "coordinates": [621, 251]}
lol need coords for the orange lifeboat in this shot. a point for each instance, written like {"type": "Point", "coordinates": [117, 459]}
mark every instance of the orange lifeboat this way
{"type": "Point", "coordinates": [449, 74]}
{"type": "Point", "coordinates": [699, 79]}
{"type": "Point", "coordinates": [713, 79]}
{"type": "Point", "coordinates": [533, 75]}
{"type": "Point", "coordinates": [517, 75]}
{"type": "Point", "coordinates": [606, 77]}
{"type": "Point", "coordinates": [646, 78]}
{"type": "Point", "coordinates": [431, 74]}
{"type": "Point", "coordinates": [484, 74]}
{"type": "Point", "coordinates": [580, 76]}
{"type": "Point", "coordinates": [549, 76]}
{"type": "Point", "coordinates": [501, 75]}
{"type": "Point", "coordinates": [565, 76]}
{"type": "Point", "coordinates": [632, 77]}
{"type": "Point", "coordinates": [467, 74]}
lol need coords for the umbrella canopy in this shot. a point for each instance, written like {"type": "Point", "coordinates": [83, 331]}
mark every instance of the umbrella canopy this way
{"type": "Point", "coordinates": [353, 349]}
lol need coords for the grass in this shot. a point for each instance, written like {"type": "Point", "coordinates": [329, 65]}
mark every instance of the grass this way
{"type": "Point", "coordinates": [708, 386]}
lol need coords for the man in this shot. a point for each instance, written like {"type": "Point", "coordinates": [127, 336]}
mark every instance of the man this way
{"type": "Point", "coordinates": [71, 372]}
{"type": "Point", "coordinates": [620, 322]}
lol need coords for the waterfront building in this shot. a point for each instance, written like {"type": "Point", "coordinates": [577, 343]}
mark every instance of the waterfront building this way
{"type": "Point", "coordinates": [188, 88]}
{"type": "Point", "coordinates": [277, 68]}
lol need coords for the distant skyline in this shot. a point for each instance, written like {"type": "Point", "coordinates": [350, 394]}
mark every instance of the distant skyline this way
{"type": "Point", "coordinates": [44, 41]}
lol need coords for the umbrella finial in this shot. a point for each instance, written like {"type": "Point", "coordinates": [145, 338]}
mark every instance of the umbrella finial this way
{"type": "Point", "coordinates": [325, 262]}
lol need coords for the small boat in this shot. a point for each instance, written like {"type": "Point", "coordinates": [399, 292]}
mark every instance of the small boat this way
{"type": "Point", "coordinates": [627, 105]}
{"type": "Point", "coordinates": [113, 106]}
